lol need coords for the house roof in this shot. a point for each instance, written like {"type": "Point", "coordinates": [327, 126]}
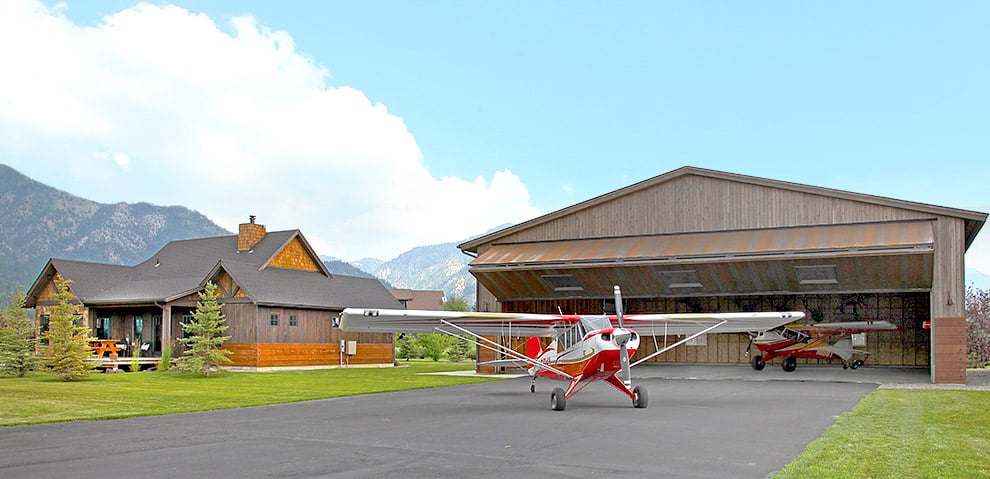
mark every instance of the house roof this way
{"type": "Point", "coordinates": [184, 267]}
{"type": "Point", "coordinates": [275, 286]}
{"type": "Point", "coordinates": [974, 220]}
{"type": "Point", "coordinates": [420, 299]}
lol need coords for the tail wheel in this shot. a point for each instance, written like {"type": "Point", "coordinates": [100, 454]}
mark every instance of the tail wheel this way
{"type": "Point", "coordinates": [790, 364]}
{"type": "Point", "coordinates": [558, 400]}
{"type": "Point", "coordinates": [757, 363]}
{"type": "Point", "coordinates": [641, 398]}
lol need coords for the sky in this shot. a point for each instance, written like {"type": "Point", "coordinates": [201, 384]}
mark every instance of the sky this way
{"type": "Point", "coordinates": [375, 127]}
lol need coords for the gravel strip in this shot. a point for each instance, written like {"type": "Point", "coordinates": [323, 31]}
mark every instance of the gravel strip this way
{"type": "Point", "coordinates": [976, 380]}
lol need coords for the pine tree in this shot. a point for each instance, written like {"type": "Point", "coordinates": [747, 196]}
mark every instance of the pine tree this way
{"type": "Point", "coordinates": [204, 343]}
{"type": "Point", "coordinates": [459, 350]}
{"type": "Point", "coordinates": [18, 341]}
{"type": "Point", "coordinates": [67, 351]}
{"type": "Point", "coordinates": [406, 346]}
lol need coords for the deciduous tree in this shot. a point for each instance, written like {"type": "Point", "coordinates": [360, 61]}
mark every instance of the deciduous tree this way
{"type": "Point", "coordinates": [456, 303]}
{"type": "Point", "coordinates": [977, 327]}
{"type": "Point", "coordinates": [204, 344]}
{"type": "Point", "coordinates": [434, 346]}
{"type": "Point", "coordinates": [458, 349]}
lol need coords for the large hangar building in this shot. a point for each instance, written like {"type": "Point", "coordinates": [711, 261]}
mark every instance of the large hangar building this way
{"type": "Point", "coordinates": [695, 240]}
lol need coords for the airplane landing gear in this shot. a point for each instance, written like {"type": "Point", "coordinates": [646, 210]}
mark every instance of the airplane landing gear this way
{"type": "Point", "coordinates": [641, 398]}
{"type": "Point", "coordinates": [856, 364]}
{"type": "Point", "coordinates": [790, 364]}
{"type": "Point", "coordinates": [532, 386]}
{"type": "Point", "coordinates": [757, 362]}
{"type": "Point", "coordinates": [558, 399]}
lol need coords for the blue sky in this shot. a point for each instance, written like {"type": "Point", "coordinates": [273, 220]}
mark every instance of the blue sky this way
{"type": "Point", "coordinates": [522, 108]}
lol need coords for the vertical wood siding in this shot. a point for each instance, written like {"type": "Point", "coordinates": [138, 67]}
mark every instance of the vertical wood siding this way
{"type": "Point", "coordinates": [696, 203]}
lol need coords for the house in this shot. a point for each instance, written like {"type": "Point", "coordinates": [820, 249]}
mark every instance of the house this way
{"type": "Point", "coordinates": [429, 300]}
{"type": "Point", "coordinates": [279, 300]}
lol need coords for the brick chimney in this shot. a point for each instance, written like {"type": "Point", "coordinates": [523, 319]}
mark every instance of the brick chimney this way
{"type": "Point", "coordinates": [249, 234]}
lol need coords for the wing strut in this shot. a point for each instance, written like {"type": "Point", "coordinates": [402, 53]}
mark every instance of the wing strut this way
{"type": "Point", "coordinates": [672, 346]}
{"type": "Point", "coordinates": [490, 345]}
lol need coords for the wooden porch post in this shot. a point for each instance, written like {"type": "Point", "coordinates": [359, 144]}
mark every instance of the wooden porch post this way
{"type": "Point", "coordinates": [167, 325]}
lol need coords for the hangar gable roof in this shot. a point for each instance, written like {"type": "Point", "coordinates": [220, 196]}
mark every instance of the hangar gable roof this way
{"type": "Point", "coordinates": [973, 220]}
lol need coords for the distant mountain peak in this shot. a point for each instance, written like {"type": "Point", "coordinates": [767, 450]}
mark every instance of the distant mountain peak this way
{"type": "Point", "coordinates": [38, 222]}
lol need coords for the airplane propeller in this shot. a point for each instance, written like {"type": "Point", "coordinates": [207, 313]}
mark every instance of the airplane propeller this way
{"type": "Point", "coordinates": [622, 339]}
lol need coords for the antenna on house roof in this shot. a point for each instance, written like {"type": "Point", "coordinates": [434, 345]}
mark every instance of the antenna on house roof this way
{"type": "Point", "coordinates": [252, 218]}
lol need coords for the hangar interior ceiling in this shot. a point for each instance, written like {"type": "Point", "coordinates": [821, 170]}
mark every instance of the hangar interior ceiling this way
{"type": "Point", "coordinates": [861, 257]}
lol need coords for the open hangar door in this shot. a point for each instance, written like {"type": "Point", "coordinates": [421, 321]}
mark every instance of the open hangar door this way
{"type": "Point", "coordinates": [852, 272]}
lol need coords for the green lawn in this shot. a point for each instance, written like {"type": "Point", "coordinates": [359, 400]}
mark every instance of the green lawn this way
{"type": "Point", "coordinates": [896, 433]}
{"type": "Point", "coordinates": [40, 398]}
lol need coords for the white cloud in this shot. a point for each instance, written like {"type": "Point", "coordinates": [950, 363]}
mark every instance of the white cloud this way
{"type": "Point", "coordinates": [227, 124]}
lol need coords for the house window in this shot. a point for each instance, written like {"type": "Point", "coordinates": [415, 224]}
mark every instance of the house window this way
{"type": "Point", "coordinates": [103, 328]}
{"type": "Point", "coordinates": [44, 321]}
{"type": "Point", "coordinates": [186, 319]}
{"type": "Point", "coordinates": [293, 320]}
{"type": "Point", "coordinates": [273, 319]}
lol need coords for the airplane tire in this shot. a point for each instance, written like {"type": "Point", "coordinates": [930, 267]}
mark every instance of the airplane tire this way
{"type": "Point", "coordinates": [532, 388]}
{"type": "Point", "coordinates": [642, 399]}
{"type": "Point", "coordinates": [558, 400]}
{"type": "Point", "coordinates": [790, 364]}
{"type": "Point", "coordinates": [757, 363]}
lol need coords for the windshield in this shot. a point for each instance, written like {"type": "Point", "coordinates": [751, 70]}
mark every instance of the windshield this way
{"type": "Point", "coordinates": [595, 323]}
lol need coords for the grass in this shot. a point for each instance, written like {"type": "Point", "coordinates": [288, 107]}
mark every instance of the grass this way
{"type": "Point", "coordinates": [41, 398]}
{"type": "Point", "coordinates": [895, 433]}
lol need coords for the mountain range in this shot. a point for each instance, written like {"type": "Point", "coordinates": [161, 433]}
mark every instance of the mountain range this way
{"type": "Point", "coordinates": [38, 222]}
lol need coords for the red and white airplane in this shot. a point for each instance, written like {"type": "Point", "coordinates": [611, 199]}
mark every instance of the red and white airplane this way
{"type": "Point", "coordinates": [815, 341]}
{"type": "Point", "coordinates": [584, 349]}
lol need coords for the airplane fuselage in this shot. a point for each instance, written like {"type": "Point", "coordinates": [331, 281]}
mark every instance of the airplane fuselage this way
{"type": "Point", "coordinates": [596, 356]}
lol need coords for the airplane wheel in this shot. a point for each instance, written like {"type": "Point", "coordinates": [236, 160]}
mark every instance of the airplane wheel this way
{"type": "Point", "coordinates": [845, 365]}
{"type": "Point", "coordinates": [641, 399]}
{"type": "Point", "coordinates": [757, 363]}
{"type": "Point", "coordinates": [857, 363]}
{"type": "Point", "coordinates": [790, 364]}
{"type": "Point", "coordinates": [558, 400]}
{"type": "Point", "coordinates": [532, 388]}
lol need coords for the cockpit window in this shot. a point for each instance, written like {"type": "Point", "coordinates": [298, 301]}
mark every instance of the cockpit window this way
{"type": "Point", "coordinates": [570, 335]}
{"type": "Point", "coordinates": [595, 323]}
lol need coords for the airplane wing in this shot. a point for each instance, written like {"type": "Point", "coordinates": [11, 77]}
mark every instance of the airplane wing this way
{"type": "Point", "coordinates": [852, 326]}
{"type": "Point", "coordinates": [482, 324]}
{"type": "Point", "coordinates": [691, 323]}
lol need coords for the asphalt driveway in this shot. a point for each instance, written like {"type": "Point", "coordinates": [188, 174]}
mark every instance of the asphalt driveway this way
{"type": "Point", "coordinates": [712, 428]}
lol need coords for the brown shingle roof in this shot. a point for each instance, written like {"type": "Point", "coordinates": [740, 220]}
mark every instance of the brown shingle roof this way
{"type": "Point", "coordinates": [183, 267]}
